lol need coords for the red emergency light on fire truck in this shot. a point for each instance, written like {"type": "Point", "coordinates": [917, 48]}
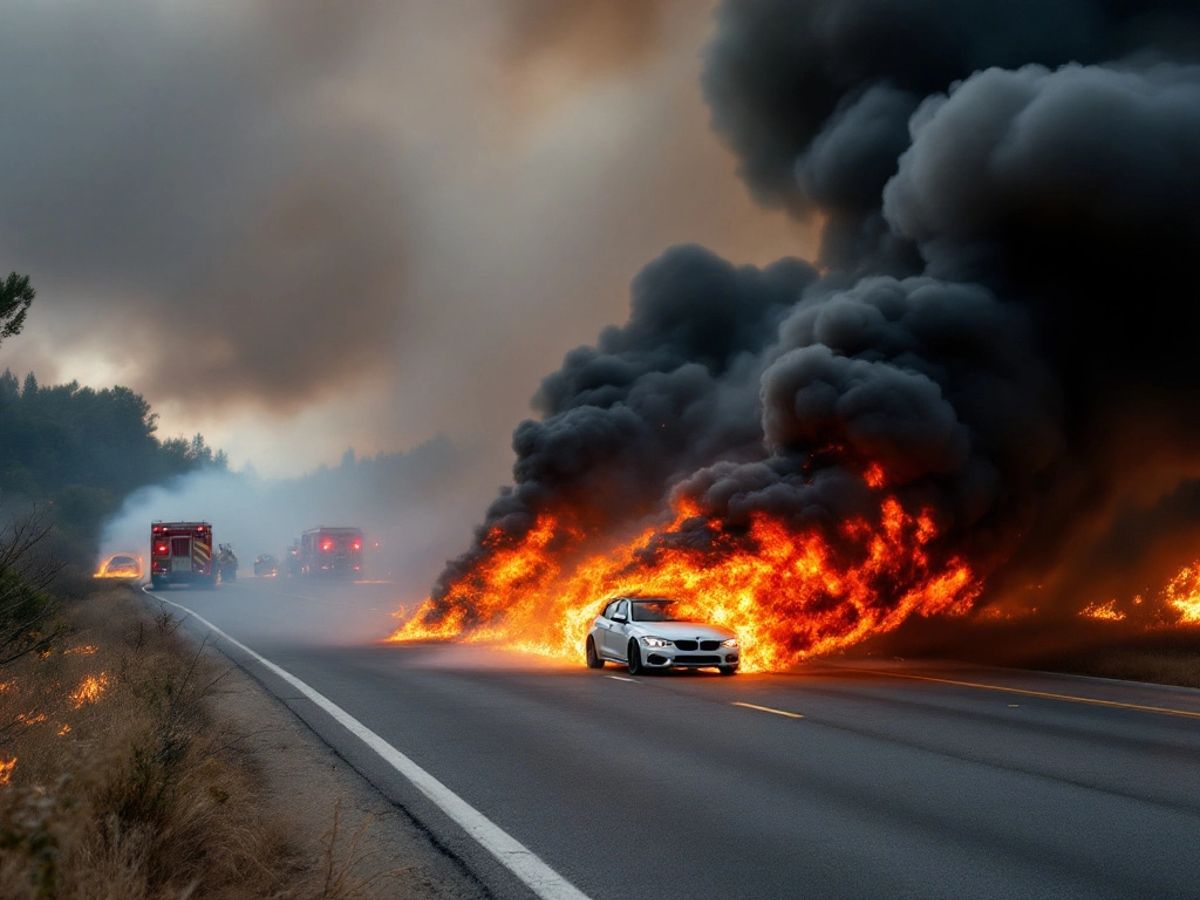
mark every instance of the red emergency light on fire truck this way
{"type": "Point", "coordinates": [331, 551]}
{"type": "Point", "coordinates": [181, 553]}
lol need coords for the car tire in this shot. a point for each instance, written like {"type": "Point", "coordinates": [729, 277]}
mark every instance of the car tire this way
{"type": "Point", "coordinates": [635, 659]}
{"type": "Point", "coordinates": [728, 670]}
{"type": "Point", "coordinates": [594, 660]}
{"type": "Point", "coordinates": [156, 583]}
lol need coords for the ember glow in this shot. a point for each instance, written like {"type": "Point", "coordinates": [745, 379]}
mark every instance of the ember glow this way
{"type": "Point", "coordinates": [787, 593]}
{"type": "Point", "coordinates": [7, 766]}
{"type": "Point", "coordinates": [1105, 611]}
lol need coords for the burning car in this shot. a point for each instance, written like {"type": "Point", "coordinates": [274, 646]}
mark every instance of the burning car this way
{"type": "Point", "coordinates": [649, 633]}
{"type": "Point", "coordinates": [120, 565]}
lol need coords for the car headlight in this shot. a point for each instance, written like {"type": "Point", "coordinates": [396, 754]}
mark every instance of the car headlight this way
{"type": "Point", "coordinates": [656, 642]}
{"type": "Point", "coordinates": [731, 642]}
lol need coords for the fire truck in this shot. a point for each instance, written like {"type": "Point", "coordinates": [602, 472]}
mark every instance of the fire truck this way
{"type": "Point", "coordinates": [181, 553]}
{"type": "Point", "coordinates": [331, 551]}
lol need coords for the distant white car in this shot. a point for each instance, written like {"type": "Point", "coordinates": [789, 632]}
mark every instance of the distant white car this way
{"type": "Point", "coordinates": [646, 633]}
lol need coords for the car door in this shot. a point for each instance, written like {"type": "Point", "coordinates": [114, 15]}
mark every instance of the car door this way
{"type": "Point", "coordinates": [615, 638]}
{"type": "Point", "coordinates": [602, 626]}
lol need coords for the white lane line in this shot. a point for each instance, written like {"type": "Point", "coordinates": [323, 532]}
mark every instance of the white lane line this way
{"type": "Point", "coordinates": [513, 855]}
{"type": "Point", "coordinates": [768, 709]}
{"type": "Point", "coordinates": [622, 678]}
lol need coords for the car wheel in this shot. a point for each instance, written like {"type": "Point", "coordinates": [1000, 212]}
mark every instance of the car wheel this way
{"type": "Point", "coordinates": [635, 659]}
{"type": "Point", "coordinates": [593, 658]}
{"type": "Point", "coordinates": [729, 670]}
{"type": "Point", "coordinates": [156, 583]}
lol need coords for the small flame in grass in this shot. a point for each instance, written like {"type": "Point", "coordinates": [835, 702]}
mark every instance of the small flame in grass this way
{"type": "Point", "coordinates": [31, 718]}
{"type": "Point", "coordinates": [82, 650]}
{"type": "Point", "coordinates": [1107, 611]}
{"type": "Point", "coordinates": [64, 730]}
{"type": "Point", "coordinates": [6, 686]}
{"type": "Point", "coordinates": [6, 769]}
{"type": "Point", "coordinates": [89, 690]}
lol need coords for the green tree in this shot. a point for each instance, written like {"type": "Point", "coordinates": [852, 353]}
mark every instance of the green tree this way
{"type": "Point", "coordinates": [16, 293]}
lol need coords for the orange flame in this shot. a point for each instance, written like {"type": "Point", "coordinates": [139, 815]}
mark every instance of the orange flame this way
{"type": "Point", "coordinates": [1182, 593]}
{"type": "Point", "coordinates": [6, 769]}
{"type": "Point", "coordinates": [89, 690]}
{"type": "Point", "coordinates": [787, 594]}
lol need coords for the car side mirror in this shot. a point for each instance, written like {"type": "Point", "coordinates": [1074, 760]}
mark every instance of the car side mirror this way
{"type": "Point", "coordinates": [620, 618]}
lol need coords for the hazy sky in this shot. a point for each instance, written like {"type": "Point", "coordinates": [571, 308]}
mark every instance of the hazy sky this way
{"type": "Point", "coordinates": [308, 227]}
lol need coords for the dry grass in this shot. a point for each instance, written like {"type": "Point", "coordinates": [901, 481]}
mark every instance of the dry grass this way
{"type": "Point", "coordinates": [121, 781]}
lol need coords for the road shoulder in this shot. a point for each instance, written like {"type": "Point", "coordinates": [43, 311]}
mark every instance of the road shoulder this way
{"type": "Point", "coordinates": [378, 849]}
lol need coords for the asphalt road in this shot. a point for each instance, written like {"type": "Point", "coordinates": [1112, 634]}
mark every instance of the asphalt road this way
{"type": "Point", "coordinates": [864, 780]}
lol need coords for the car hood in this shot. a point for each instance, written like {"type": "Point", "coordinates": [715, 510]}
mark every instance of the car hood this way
{"type": "Point", "coordinates": [677, 631]}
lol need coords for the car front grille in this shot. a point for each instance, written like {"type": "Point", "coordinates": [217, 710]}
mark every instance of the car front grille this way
{"type": "Point", "coordinates": [696, 659]}
{"type": "Point", "coordinates": [697, 645]}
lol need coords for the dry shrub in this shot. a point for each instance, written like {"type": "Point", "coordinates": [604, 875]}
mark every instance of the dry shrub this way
{"type": "Point", "coordinates": [125, 784]}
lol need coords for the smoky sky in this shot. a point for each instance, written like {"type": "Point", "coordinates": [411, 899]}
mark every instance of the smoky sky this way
{"type": "Point", "coordinates": [1003, 318]}
{"type": "Point", "coordinates": [187, 176]}
{"type": "Point", "coordinates": [341, 218]}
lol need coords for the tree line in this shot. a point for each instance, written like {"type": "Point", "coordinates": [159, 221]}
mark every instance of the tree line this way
{"type": "Point", "coordinates": [75, 452]}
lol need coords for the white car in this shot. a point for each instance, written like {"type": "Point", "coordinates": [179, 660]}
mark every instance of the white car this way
{"type": "Point", "coordinates": [646, 633]}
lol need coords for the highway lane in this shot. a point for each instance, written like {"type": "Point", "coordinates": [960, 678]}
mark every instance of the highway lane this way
{"type": "Point", "coordinates": [832, 781]}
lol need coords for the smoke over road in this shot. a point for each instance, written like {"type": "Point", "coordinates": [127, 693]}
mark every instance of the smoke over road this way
{"type": "Point", "coordinates": [985, 383]}
{"type": "Point", "coordinates": [409, 505]}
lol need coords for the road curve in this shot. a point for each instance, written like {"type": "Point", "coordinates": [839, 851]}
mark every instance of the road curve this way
{"type": "Point", "coordinates": [849, 781]}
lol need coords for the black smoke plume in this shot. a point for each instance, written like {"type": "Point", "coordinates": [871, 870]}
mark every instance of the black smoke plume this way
{"type": "Point", "coordinates": [1005, 319]}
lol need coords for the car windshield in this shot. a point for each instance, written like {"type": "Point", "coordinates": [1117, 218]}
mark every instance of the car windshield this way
{"type": "Point", "coordinates": [656, 610]}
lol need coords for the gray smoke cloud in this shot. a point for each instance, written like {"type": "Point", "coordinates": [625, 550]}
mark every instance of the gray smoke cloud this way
{"type": "Point", "coordinates": [340, 217]}
{"type": "Point", "coordinates": [189, 171]}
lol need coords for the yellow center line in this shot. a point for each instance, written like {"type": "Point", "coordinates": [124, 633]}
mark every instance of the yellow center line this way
{"type": "Point", "coordinates": [768, 709]}
{"type": "Point", "coordinates": [1069, 698]}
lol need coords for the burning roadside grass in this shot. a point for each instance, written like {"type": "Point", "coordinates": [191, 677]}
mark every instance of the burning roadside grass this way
{"type": "Point", "coordinates": [118, 781]}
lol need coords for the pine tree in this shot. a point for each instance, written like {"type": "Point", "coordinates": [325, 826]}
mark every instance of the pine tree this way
{"type": "Point", "coordinates": [16, 293]}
